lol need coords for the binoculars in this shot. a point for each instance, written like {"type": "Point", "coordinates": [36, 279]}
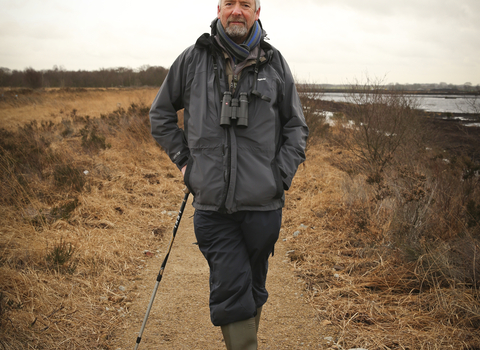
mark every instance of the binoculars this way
{"type": "Point", "coordinates": [234, 109]}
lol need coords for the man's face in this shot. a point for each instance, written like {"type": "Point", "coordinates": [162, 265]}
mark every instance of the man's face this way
{"type": "Point", "coordinates": [238, 17]}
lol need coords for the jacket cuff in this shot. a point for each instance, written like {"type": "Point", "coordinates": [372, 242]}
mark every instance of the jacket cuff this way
{"type": "Point", "coordinates": [182, 163]}
{"type": "Point", "coordinates": [181, 160]}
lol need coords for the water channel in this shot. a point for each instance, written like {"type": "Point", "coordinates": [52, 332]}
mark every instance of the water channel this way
{"type": "Point", "coordinates": [434, 103]}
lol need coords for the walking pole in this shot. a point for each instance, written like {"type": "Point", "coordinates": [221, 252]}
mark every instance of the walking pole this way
{"type": "Point", "coordinates": [160, 274]}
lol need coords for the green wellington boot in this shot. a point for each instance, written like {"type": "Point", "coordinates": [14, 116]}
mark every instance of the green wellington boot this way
{"type": "Point", "coordinates": [241, 335]}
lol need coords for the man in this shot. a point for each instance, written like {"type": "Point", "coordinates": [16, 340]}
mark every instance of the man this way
{"type": "Point", "coordinates": [244, 137]}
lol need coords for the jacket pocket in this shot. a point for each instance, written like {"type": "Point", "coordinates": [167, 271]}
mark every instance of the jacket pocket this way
{"type": "Point", "coordinates": [278, 179]}
{"type": "Point", "coordinates": [257, 178]}
{"type": "Point", "coordinates": [204, 176]}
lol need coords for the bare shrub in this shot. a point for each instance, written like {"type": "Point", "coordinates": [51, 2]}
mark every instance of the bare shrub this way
{"type": "Point", "coordinates": [25, 157]}
{"type": "Point", "coordinates": [68, 176]}
{"type": "Point", "coordinates": [27, 148]}
{"type": "Point", "coordinates": [310, 98]}
{"type": "Point", "coordinates": [472, 103]}
{"type": "Point", "coordinates": [426, 205]}
{"type": "Point", "coordinates": [378, 123]}
{"type": "Point", "coordinates": [91, 138]}
{"type": "Point", "coordinates": [435, 214]}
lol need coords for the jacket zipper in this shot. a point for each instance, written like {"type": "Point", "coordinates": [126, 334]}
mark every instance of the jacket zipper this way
{"type": "Point", "coordinates": [223, 207]}
{"type": "Point", "coordinates": [228, 149]}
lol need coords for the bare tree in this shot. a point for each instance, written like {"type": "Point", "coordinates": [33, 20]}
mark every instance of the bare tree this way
{"type": "Point", "coordinates": [473, 104]}
{"type": "Point", "coordinates": [33, 78]}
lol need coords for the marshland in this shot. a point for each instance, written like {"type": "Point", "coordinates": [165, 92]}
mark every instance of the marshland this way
{"type": "Point", "coordinates": [381, 224]}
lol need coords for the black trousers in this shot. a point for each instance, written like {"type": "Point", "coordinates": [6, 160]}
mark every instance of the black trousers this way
{"type": "Point", "coordinates": [237, 247]}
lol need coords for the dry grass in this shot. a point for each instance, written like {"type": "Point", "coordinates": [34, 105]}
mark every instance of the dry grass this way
{"type": "Point", "coordinates": [359, 278]}
{"type": "Point", "coordinates": [70, 240]}
{"type": "Point", "coordinates": [19, 106]}
{"type": "Point", "coordinates": [66, 253]}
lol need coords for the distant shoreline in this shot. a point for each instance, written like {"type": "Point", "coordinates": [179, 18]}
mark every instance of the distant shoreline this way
{"type": "Point", "coordinates": [334, 106]}
{"type": "Point", "coordinates": [407, 92]}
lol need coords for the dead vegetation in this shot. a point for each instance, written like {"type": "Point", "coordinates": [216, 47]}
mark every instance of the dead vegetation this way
{"type": "Point", "coordinates": [389, 253]}
{"type": "Point", "coordinates": [377, 287]}
{"type": "Point", "coordinates": [20, 105]}
{"type": "Point", "coordinates": [389, 262]}
{"type": "Point", "coordinates": [84, 204]}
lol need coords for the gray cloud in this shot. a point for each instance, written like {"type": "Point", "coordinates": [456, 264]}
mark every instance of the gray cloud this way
{"type": "Point", "coordinates": [323, 40]}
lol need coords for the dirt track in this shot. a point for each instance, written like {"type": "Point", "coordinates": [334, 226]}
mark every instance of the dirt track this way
{"type": "Point", "coordinates": [180, 316]}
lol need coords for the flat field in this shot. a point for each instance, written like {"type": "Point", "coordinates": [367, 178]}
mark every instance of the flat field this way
{"type": "Point", "coordinates": [20, 106]}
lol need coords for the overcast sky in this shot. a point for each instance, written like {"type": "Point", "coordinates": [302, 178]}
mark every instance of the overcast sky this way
{"type": "Point", "coordinates": [324, 41]}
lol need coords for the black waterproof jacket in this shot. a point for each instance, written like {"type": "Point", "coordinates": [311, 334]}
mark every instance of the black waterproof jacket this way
{"type": "Point", "coordinates": [231, 169]}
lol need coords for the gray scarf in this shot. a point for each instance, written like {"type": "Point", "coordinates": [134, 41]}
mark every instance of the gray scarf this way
{"type": "Point", "coordinates": [240, 52]}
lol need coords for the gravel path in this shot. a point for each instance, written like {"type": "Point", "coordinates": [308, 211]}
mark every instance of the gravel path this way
{"type": "Point", "coordinates": [180, 319]}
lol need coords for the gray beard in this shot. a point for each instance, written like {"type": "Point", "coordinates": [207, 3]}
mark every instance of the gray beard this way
{"type": "Point", "coordinates": [236, 31]}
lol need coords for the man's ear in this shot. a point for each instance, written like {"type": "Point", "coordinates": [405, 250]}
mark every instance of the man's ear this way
{"type": "Point", "coordinates": [218, 12]}
{"type": "Point", "coordinates": [257, 15]}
